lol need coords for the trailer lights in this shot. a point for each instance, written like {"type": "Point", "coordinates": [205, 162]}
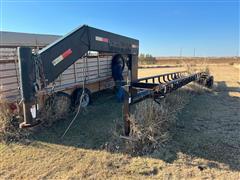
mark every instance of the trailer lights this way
{"type": "Point", "coordinates": [101, 39]}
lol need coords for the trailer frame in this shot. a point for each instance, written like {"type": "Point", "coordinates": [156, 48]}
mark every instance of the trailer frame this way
{"type": "Point", "coordinates": [142, 89]}
{"type": "Point", "coordinates": [39, 69]}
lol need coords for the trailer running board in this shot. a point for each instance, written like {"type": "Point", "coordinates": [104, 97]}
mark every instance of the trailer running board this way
{"type": "Point", "coordinates": [156, 87]}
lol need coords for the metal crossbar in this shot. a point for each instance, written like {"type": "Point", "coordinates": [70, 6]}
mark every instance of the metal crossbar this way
{"type": "Point", "coordinates": [163, 77]}
{"type": "Point", "coordinates": [157, 87]}
{"type": "Point", "coordinates": [171, 82]}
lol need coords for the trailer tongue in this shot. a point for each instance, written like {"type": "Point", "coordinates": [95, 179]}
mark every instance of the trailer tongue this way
{"type": "Point", "coordinates": [40, 69]}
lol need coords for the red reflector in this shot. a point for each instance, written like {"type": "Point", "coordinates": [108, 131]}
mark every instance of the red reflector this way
{"type": "Point", "coordinates": [67, 53]}
{"type": "Point", "coordinates": [105, 40]}
{"type": "Point", "coordinates": [102, 39]}
{"type": "Point", "coordinates": [13, 106]}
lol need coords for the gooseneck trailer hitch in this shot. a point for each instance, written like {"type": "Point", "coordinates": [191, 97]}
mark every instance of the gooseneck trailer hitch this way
{"type": "Point", "coordinates": [39, 70]}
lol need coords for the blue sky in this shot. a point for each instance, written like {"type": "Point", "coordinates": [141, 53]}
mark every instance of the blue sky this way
{"type": "Point", "coordinates": [163, 27]}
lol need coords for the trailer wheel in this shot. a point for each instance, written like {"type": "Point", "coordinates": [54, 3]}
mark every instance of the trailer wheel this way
{"type": "Point", "coordinates": [76, 95]}
{"type": "Point", "coordinates": [209, 82]}
{"type": "Point", "coordinates": [57, 106]}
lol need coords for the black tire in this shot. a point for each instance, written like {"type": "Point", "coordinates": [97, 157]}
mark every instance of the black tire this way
{"type": "Point", "coordinates": [118, 59]}
{"type": "Point", "coordinates": [76, 95]}
{"type": "Point", "coordinates": [209, 82]}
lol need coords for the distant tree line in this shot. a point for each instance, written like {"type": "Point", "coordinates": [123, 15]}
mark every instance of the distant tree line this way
{"type": "Point", "coordinates": [146, 59]}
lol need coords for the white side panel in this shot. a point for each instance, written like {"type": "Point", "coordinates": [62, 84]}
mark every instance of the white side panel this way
{"type": "Point", "coordinates": [9, 74]}
{"type": "Point", "coordinates": [95, 69]}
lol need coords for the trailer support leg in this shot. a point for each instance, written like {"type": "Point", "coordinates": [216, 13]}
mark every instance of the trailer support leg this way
{"type": "Point", "coordinates": [27, 115]}
{"type": "Point", "coordinates": [27, 79]}
{"type": "Point", "coordinates": [126, 114]}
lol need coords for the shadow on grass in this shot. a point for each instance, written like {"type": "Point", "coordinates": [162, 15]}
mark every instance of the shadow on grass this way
{"type": "Point", "coordinates": [208, 127]}
{"type": "Point", "coordinates": [91, 129]}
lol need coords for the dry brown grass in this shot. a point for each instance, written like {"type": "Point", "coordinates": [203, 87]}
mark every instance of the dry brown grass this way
{"type": "Point", "coordinates": [9, 124]}
{"type": "Point", "coordinates": [208, 138]}
{"type": "Point", "coordinates": [191, 67]}
{"type": "Point", "coordinates": [198, 60]}
{"type": "Point", "coordinates": [152, 124]}
{"type": "Point", "coordinates": [56, 108]}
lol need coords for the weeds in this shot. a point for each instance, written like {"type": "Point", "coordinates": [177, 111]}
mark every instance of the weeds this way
{"type": "Point", "coordinates": [9, 124]}
{"type": "Point", "coordinates": [152, 124]}
{"type": "Point", "coordinates": [191, 67]}
{"type": "Point", "coordinates": [55, 108]}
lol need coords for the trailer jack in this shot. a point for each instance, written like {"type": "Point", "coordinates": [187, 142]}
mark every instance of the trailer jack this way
{"type": "Point", "coordinates": [156, 87]}
{"type": "Point", "coordinates": [28, 119]}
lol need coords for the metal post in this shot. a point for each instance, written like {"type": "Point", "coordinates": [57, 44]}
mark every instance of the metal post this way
{"type": "Point", "coordinates": [126, 111]}
{"type": "Point", "coordinates": [27, 79]}
{"type": "Point", "coordinates": [132, 73]}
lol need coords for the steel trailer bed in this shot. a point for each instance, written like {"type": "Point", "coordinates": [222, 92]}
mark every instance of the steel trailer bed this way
{"type": "Point", "coordinates": [156, 87]}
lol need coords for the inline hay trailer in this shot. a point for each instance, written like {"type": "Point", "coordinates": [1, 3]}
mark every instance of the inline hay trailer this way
{"type": "Point", "coordinates": [85, 61]}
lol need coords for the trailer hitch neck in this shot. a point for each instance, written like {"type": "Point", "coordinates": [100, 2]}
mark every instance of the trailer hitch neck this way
{"type": "Point", "coordinates": [27, 85]}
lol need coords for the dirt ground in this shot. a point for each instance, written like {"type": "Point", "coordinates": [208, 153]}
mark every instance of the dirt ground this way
{"type": "Point", "coordinates": [205, 146]}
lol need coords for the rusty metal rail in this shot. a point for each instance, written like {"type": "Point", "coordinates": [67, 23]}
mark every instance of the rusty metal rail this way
{"type": "Point", "coordinates": [163, 77]}
{"type": "Point", "coordinates": [156, 87]}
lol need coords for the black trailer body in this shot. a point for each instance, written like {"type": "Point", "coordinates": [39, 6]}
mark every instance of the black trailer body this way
{"type": "Point", "coordinates": [39, 70]}
{"type": "Point", "coordinates": [75, 44]}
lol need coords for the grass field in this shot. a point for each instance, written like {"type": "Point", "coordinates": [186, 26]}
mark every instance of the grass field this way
{"type": "Point", "coordinates": [197, 60]}
{"type": "Point", "coordinates": [206, 144]}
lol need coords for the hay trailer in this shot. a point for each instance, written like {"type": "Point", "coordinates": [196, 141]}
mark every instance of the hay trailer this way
{"type": "Point", "coordinates": [72, 66]}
